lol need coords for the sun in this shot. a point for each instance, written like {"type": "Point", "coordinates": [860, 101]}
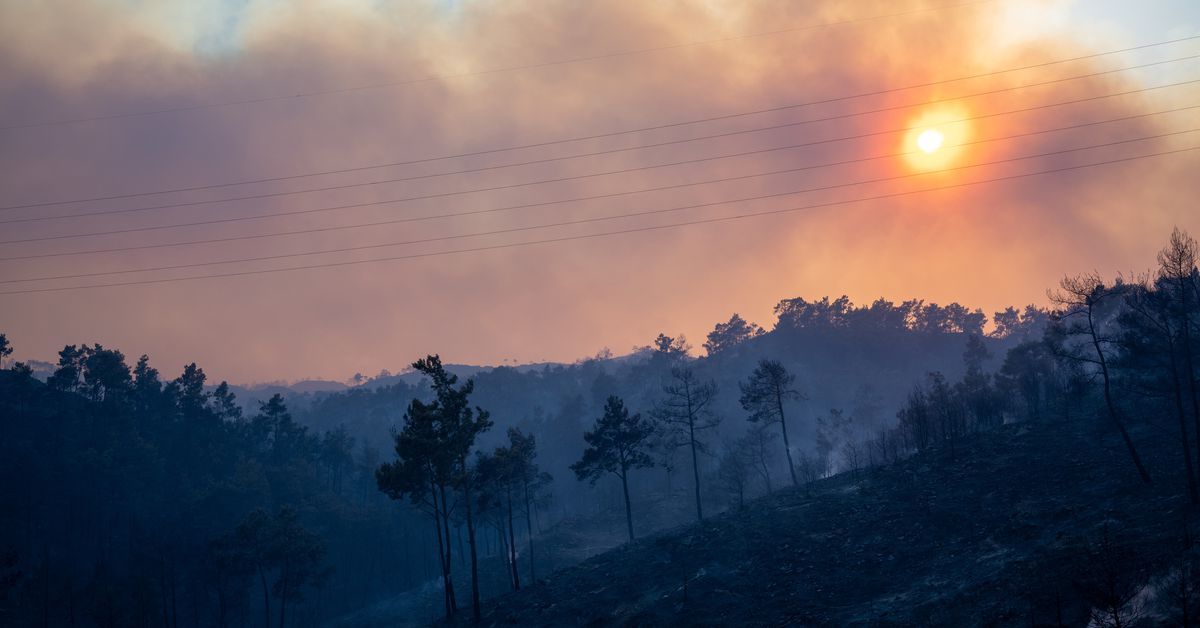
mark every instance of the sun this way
{"type": "Point", "coordinates": [930, 140]}
{"type": "Point", "coordinates": [937, 137]}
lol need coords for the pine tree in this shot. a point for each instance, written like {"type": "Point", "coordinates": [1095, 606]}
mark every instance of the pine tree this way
{"type": "Point", "coordinates": [763, 395]}
{"type": "Point", "coordinates": [458, 425]}
{"type": "Point", "coordinates": [617, 444]}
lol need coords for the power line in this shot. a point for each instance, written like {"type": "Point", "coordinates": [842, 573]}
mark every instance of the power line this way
{"type": "Point", "coordinates": [536, 182]}
{"type": "Point", "coordinates": [602, 234]}
{"type": "Point", "coordinates": [600, 218]}
{"type": "Point", "coordinates": [501, 70]}
{"type": "Point", "coordinates": [616, 133]}
{"type": "Point", "coordinates": [576, 199]}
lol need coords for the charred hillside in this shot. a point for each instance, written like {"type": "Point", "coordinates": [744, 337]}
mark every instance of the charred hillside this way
{"type": "Point", "coordinates": [1032, 524]}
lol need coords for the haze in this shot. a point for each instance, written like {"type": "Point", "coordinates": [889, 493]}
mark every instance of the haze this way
{"type": "Point", "coordinates": [987, 246]}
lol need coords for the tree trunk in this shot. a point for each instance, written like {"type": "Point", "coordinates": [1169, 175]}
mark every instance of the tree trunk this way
{"type": "Point", "coordinates": [695, 465]}
{"type": "Point", "coordinates": [449, 564]}
{"type": "Point", "coordinates": [475, 608]}
{"type": "Point", "coordinates": [262, 577]}
{"type": "Point", "coordinates": [1112, 407]}
{"type": "Point", "coordinates": [1189, 364]}
{"type": "Point", "coordinates": [1183, 428]}
{"type": "Point", "coordinates": [512, 545]}
{"type": "Point", "coordinates": [628, 510]}
{"type": "Point", "coordinates": [462, 550]}
{"type": "Point", "coordinates": [283, 595]}
{"type": "Point", "coordinates": [529, 532]}
{"type": "Point", "coordinates": [787, 448]}
{"type": "Point", "coordinates": [443, 559]}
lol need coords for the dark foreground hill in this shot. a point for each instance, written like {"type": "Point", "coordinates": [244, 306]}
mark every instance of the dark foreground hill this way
{"type": "Point", "coordinates": [1030, 525]}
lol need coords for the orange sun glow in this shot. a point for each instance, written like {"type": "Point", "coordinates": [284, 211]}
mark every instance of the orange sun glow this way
{"type": "Point", "coordinates": [935, 137]}
{"type": "Point", "coordinates": [930, 140]}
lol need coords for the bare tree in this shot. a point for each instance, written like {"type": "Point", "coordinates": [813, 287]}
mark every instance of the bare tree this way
{"type": "Point", "coordinates": [854, 453]}
{"type": "Point", "coordinates": [734, 469]}
{"type": "Point", "coordinates": [812, 468]}
{"type": "Point", "coordinates": [684, 410]}
{"type": "Point", "coordinates": [884, 448]}
{"type": "Point", "coordinates": [1183, 583]}
{"type": "Point", "coordinates": [1111, 584]}
{"type": "Point", "coordinates": [1079, 299]}
{"type": "Point", "coordinates": [757, 441]}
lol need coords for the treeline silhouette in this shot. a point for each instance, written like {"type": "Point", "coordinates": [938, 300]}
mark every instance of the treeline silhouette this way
{"type": "Point", "coordinates": [131, 500]}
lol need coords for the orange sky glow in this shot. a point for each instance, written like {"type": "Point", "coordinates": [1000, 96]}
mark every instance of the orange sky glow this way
{"type": "Point", "coordinates": [837, 196]}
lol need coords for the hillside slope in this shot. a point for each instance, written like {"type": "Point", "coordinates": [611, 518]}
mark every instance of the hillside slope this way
{"type": "Point", "coordinates": [996, 532]}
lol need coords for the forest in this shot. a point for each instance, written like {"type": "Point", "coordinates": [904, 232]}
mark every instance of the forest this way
{"type": "Point", "coordinates": [134, 497]}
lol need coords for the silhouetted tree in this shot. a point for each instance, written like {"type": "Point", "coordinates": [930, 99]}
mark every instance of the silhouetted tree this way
{"type": "Point", "coordinates": [106, 377]}
{"type": "Point", "coordinates": [230, 574]}
{"type": "Point", "coordinates": [684, 409]}
{"type": "Point", "coordinates": [1025, 377]}
{"type": "Point", "coordinates": [337, 455]}
{"type": "Point", "coordinates": [529, 484]}
{"type": "Point", "coordinates": [616, 445]}
{"type": "Point", "coordinates": [915, 419]}
{"type": "Point", "coordinates": [1182, 583]}
{"type": "Point", "coordinates": [5, 349]}
{"type": "Point", "coordinates": [1181, 281]}
{"type": "Point", "coordinates": [503, 477]}
{"type": "Point", "coordinates": [812, 468]}
{"type": "Point", "coordinates": [68, 377]}
{"type": "Point", "coordinates": [733, 470]}
{"type": "Point", "coordinates": [757, 441]}
{"type": "Point", "coordinates": [252, 543]}
{"type": "Point", "coordinates": [763, 395]}
{"type": "Point", "coordinates": [1080, 299]}
{"type": "Point", "coordinates": [730, 334]}
{"type": "Point", "coordinates": [801, 314]}
{"type": "Point", "coordinates": [1150, 359]}
{"type": "Point", "coordinates": [299, 559]}
{"type": "Point", "coordinates": [147, 388]}
{"type": "Point", "coordinates": [947, 410]}
{"type": "Point", "coordinates": [664, 445]}
{"type": "Point", "coordinates": [1023, 325]}
{"type": "Point", "coordinates": [275, 546]}
{"type": "Point", "coordinates": [192, 398]}
{"type": "Point", "coordinates": [976, 390]}
{"type": "Point", "coordinates": [458, 425]}
{"type": "Point", "coordinates": [535, 493]}
{"type": "Point", "coordinates": [224, 403]}
{"type": "Point", "coordinates": [424, 473]}
{"type": "Point", "coordinates": [835, 431]}
{"type": "Point", "coordinates": [1111, 581]}
{"type": "Point", "coordinates": [672, 347]}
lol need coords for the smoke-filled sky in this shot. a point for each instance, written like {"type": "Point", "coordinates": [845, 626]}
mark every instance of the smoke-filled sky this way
{"type": "Point", "coordinates": [314, 86]}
